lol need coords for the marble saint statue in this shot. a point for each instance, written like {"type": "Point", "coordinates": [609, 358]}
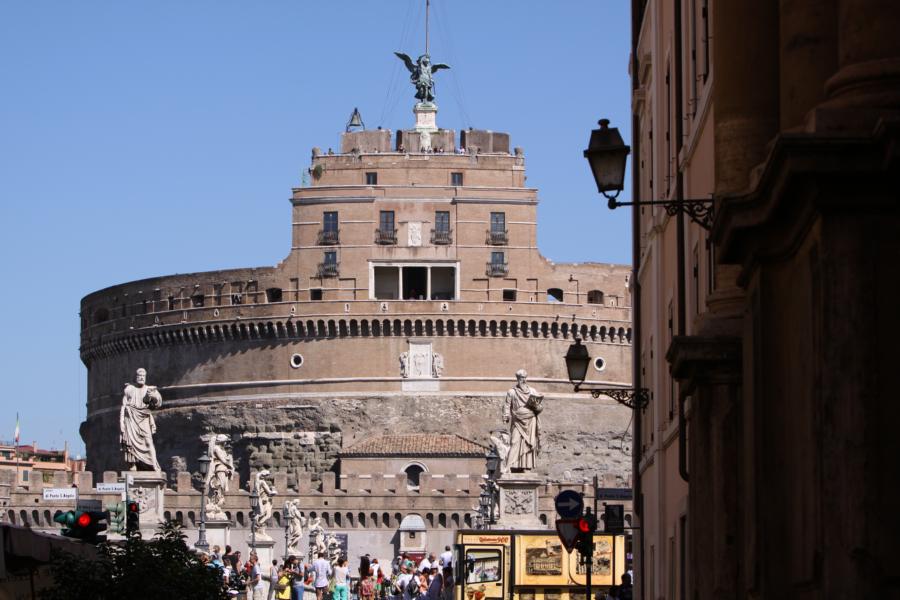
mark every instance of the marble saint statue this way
{"type": "Point", "coordinates": [265, 492]}
{"type": "Point", "coordinates": [136, 423]}
{"type": "Point", "coordinates": [295, 522]}
{"type": "Point", "coordinates": [221, 469]}
{"type": "Point", "coordinates": [520, 410]}
{"type": "Point", "coordinates": [317, 533]}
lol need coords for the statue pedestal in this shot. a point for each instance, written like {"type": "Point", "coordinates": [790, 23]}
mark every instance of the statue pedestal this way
{"type": "Point", "coordinates": [148, 489]}
{"type": "Point", "coordinates": [218, 533]}
{"type": "Point", "coordinates": [519, 501]}
{"type": "Point", "coordinates": [426, 117]}
{"type": "Point", "coordinates": [265, 550]}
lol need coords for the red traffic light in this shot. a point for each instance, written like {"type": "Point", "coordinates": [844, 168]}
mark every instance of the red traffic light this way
{"type": "Point", "coordinates": [133, 507]}
{"type": "Point", "coordinates": [584, 526]}
{"type": "Point", "coordinates": [84, 519]}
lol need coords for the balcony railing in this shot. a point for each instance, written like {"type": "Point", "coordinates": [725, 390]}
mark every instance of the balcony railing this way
{"type": "Point", "coordinates": [497, 238]}
{"type": "Point", "coordinates": [497, 269]}
{"type": "Point", "coordinates": [329, 237]}
{"type": "Point", "coordinates": [386, 237]}
{"type": "Point", "coordinates": [441, 237]}
{"type": "Point", "coordinates": [328, 269]}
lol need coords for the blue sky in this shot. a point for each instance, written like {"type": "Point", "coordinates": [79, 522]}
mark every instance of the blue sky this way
{"type": "Point", "coordinates": [158, 137]}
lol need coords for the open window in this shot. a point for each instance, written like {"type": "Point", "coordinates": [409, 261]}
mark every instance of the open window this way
{"type": "Point", "coordinates": [412, 476]}
{"type": "Point", "coordinates": [509, 295]}
{"type": "Point", "coordinates": [595, 297]}
{"type": "Point", "coordinates": [554, 295]}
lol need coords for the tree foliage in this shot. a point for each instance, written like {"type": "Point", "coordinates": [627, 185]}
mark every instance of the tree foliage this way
{"type": "Point", "coordinates": [164, 567]}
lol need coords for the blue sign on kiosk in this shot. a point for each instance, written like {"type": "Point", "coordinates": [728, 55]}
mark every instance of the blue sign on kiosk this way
{"type": "Point", "coordinates": [569, 504]}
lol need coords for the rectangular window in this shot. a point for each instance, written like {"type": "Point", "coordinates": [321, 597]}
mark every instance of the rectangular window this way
{"type": "Point", "coordinates": [24, 475]}
{"type": "Point", "coordinates": [498, 222]}
{"type": "Point", "coordinates": [386, 221]}
{"type": "Point", "coordinates": [315, 294]}
{"type": "Point", "coordinates": [497, 258]}
{"type": "Point", "coordinates": [456, 179]}
{"type": "Point", "coordinates": [442, 221]}
{"type": "Point", "coordinates": [483, 566]}
{"type": "Point", "coordinates": [509, 295]}
{"type": "Point", "coordinates": [371, 178]}
{"type": "Point", "coordinates": [330, 221]}
{"type": "Point", "coordinates": [330, 258]}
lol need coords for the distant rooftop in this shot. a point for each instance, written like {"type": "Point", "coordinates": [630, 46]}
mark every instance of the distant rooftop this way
{"type": "Point", "coordinates": [416, 444]}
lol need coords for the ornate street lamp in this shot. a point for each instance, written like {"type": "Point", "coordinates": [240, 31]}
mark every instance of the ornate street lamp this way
{"type": "Point", "coordinates": [202, 544]}
{"type": "Point", "coordinates": [492, 458]}
{"type": "Point", "coordinates": [485, 500]}
{"type": "Point", "coordinates": [607, 154]}
{"type": "Point", "coordinates": [577, 361]}
{"type": "Point", "coordinates": [254, 510]}
{"type": "Point", "coordinates": [284, 516]}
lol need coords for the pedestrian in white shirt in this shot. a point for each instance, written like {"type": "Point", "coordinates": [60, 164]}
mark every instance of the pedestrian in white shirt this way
{"type": "Point", "coordinates": [447, 557]}
{"type": "Point", "coordinates": [322, 569]}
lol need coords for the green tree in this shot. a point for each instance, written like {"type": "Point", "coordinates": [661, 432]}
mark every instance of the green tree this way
{"type": "Point", "coordinates": [164, 567]}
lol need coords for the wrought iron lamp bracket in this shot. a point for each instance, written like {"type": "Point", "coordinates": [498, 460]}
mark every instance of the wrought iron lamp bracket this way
{"type": "Point", "coordinates": [630, 397]}
{"type": "Point", "coordinates": [700, 210]}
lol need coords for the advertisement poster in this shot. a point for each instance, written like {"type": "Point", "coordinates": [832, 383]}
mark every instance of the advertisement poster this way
{"type": "Point", "coordinates": [543, 561]}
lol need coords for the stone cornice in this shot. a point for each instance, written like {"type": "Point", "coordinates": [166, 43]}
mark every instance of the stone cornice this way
{"type": "Point", "coordinates": [806, 175]}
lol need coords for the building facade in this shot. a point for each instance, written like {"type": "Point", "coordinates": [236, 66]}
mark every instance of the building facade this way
{"type": "Point", "coordinates": [764, 334]}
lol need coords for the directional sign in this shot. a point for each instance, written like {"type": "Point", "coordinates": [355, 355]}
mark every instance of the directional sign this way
{"type": "Point", "coordinates": [61, 493]}
{"type": "Point", "coordinates": [568, 532]}
{"type": "Point", "coordinates": [111, 488]}
{"type": "Point", "coordinates": [569, 504]}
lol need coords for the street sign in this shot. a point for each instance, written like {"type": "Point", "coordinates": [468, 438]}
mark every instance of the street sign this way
{"type": "Point", "coordinates": [111, 488]}
{"type": "Point", "coordinates": [569, 504]}
{"type": "Point", "coordinates": [614, 493]}
{"type": "Point", "coordinates": [568, 532]}
{"type": "Point", "coordinates": [68, 493]}
{"type": "Point", "coordinates": [88, 505]}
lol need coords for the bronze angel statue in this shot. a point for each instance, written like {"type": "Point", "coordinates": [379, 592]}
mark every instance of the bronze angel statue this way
{"type": "Point", "coordinates": [421, 74]}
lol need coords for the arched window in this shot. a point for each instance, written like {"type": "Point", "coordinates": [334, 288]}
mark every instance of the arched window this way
{"type": "Point", "coordinates": [412, 476]}
{"type": "Point", "coordinates": [554, 295]}
{"type": "Point", "coordinates": [595, 297]}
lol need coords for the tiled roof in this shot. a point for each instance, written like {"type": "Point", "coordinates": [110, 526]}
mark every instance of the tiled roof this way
{"type": "Point", "coordinates": [416, 444]}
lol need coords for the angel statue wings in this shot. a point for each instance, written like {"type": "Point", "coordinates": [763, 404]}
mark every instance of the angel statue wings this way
{"type": "Point", "coordinates": [421, 75]}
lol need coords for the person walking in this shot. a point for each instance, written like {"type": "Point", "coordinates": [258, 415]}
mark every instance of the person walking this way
{"type": "Point", "coordinates": [366, 588]}
{"type": "Point", "coordinates": [322, 570]}
{"type": "Point", "coordinates": [435, 587]}
{"type": "Point", "coordinates": [273, 580]}
{"type": "Point", "coordinates": [341, 580]}
{"type": "Point", "coordinates": [255, 584]}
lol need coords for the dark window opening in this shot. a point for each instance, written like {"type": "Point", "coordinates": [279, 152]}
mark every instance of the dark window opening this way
{"type": "Point", "coordinates": [101, 315]}
{"type": "Point", "coordinates": [509, 295]}
{"type": "Point", "coordinates": [595, 297]}
{"type": "Point", "coordinates": [415, 283]}
{"type": "Point", "coordinates": [386, 234]}
{"type": "Point", "coordinates": [371, 178]}
{"type": "Point", "coordinates": [412, 476]}
{"type": "Point", "coordinates": [273, 295]}
{"type": "Point", "coordinates": [237, 298]}
{"type": "Point", "coordinates": [315, 294]}
{"type": "Point", "coordinates": [197, 300]}
{"type": "Point", "coordinates": [171, 302]}
{"type": "Point", "coordinates": [442, 221]}
{"type": "Point", "coordinates": [554, 295]}
{"type": "Point", "coordinates": [456, 179]}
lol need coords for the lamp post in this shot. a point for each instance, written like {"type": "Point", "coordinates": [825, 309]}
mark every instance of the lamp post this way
{"type": "Point", "coordinates": [202, 544]}
{"type": "Point", "coordinates": [607, 155]}
{"type": "Point", "coordinates": [484, 502]}
{"type": "Point", "coordinates": [492, 459]}
{"type": "Point", "coordinates": [285, 515]}
{"type": "Point", "coordinates": [254, 510]}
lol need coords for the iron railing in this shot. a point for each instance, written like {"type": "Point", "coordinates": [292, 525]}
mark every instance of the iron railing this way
{"type": "Point", "coordinates": [441, 237]}
{"type": "Point", "coordinates": [328, 269]}
{"type": "Point", "coordinates": [329, 237]}
{"type": "Point", "coordinates": [386, 236]}
{"type": "Point", "coordinates": [497, 269]}
{"type": "Point", "coordinates": [497, 238]}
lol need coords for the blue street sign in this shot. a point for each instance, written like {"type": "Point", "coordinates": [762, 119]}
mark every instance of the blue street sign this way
{"type": "Point", "coordinates": [569, 504]}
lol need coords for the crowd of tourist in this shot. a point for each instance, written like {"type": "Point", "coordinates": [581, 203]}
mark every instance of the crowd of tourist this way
{"type": "Point", "coordinates": [401, 579]}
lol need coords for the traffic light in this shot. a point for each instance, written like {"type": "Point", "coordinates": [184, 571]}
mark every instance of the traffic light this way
{"type": "Point", "coordinates": [132, 516]}
{"type": "Point", "coordinates": [86, 526]}
{"type": "Point", "coordinates": [116, 519]}
{"type": "Point", "coordinates": [587, 525]}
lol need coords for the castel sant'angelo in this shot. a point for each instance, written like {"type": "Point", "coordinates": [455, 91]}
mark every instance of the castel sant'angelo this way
{"type": "Point", "coordinates": [412, 293]}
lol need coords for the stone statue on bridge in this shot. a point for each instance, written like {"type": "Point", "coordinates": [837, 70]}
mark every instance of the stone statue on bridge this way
{"type": "Point", "coordinates": [136, 423]}
{"type": "Point", "coordinates": [295, 522]}
{"type": "Point", "coordinates": [265, 493]}
{"type": "Point", "coordinates": [221, 469]}
{"type": "Point", "coordinates": [520, 410]}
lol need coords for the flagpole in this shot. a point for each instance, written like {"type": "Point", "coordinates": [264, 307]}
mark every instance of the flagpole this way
{"type": "Point", "coordinates": [16, 442]}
